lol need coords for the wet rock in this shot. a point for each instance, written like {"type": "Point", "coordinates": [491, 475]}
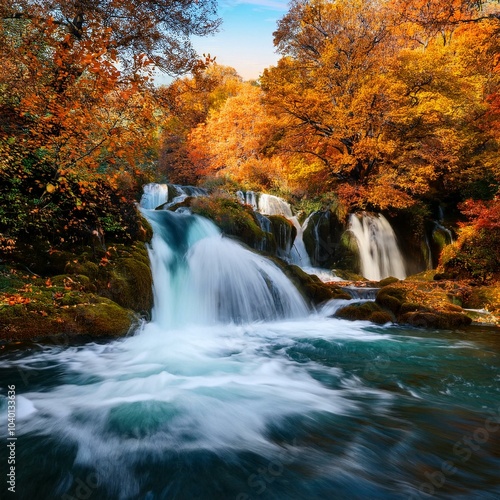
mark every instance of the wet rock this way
{"type": "Point", "coordinates": [368, 311]}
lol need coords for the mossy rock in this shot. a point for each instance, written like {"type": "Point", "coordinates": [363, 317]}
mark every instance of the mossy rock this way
{"type": "Point", "coordinates": [312, 288]}
{"type": "Point", "coordinates": [391, 298]}
{"type": "Point", "coordinates": [131, 284]}
{"type": "Point", "coordinates": [390, 280]}
{"type": "Point", "coordinates": [435, 319]}
{"type": "Point", "coordinates": [409, 307]}
{"type": "Point", "coordinates": [101, 318]}
{"type": "Point", "coordinates": [427, 276]}
{"type": "Point", "coordinates": [381, 317]}
{"type": "Point", "coordinates": [105, 318]}
{"type": "Point", "coordinates": [79, 302]}
{"type": "Point", "coordinates": [364, 311]}
{"type": "Point", "coordinates": [85, 268]}
{"type": "Point", "coordinates": [348, 275]}
{"type": "Point", "coordinates": [58, 260]}
{"type": "Point", "coordinates": [74, 282]}
{"type": "Point", "coordinates": [8, 281]}
{"type": "Point", "coordinates": [233, 218]}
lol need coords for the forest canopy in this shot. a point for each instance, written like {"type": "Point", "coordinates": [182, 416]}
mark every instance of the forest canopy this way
{"type": "Point", "coordinates": [79, 122]}
{"type": "Point", "coordinates": [378, 104]}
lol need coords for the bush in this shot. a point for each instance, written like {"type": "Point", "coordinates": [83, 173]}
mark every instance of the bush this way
{"type": "Point", "coordinates": [43, 208]}
{"type": "Point", "coordinates": [475, 254]}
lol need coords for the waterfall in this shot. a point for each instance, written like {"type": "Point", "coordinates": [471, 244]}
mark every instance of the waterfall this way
{"type": "Point", "coordinates": [378, 248]}
{"type": "Point", "coordinates": [269, 204]}
{"type": "Point", "coordinates": [200, 277]}
{"type": "Point", "coordinates": [248, 198]}
{"type": "Point", "coordinates": [155, 195]}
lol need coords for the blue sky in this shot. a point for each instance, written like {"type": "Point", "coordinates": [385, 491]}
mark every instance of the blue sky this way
{"type": "Point", "coordinates": [245, 39]}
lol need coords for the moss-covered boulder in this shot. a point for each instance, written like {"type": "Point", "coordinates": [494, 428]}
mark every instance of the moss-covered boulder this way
{"type": "Point", "coordinates": [130, 281]}
{"type": "Point", "coordinates": [94, 297]}
{"type": "Point", "coordinates": [348, 275]}
{"type": "Point", "coordinates": [314, 291]}
{"type": "Point", "coordinates": [71, 314]}
{"type": "Point", "coordinates": [368, 311]}
{"type": "Point", "coordinates": [428, 304]}
{"type": "Point", "coordinates": [435, 319]}
{"type": "Point", "coordinates": [388, 281]}
{"type": "Point", "coordinates": [391, 298]}
{"type": "Point", "coordinates": [233, 218]}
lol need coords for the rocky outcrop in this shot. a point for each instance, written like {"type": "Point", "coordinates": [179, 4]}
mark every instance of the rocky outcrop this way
{"type": "Point", "coordinates": [312, 288]}
{"type": "Point", "coordinates": [91, 295]}
{"type": "Point", "coordinates": [424, 304]}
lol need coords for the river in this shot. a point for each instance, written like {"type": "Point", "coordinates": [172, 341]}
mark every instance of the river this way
{"type": "Point", "coordinates": [217, 398]}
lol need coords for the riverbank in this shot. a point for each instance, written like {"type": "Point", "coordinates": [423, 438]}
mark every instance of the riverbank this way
{"type": "Point", "coordinates": [109, 296]}
{"type": "Point", "coordinates": [424, 301]}
{"type": "Point", "coordinates": [94, 294]}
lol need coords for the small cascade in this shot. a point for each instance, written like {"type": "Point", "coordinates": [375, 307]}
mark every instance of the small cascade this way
{"type": "Point", "coordinates": [361, 293]}
{"type": "Point", "coordinates": [447, 234]}
{"type": "Point", "coordinates": [439, 227]}
{"type": "Point", "coordinates": [429, 264]}
{"type": "Point", "coordinates": [166, 195]}
{"type": "Point", "coordinates": [248, 198]}
{"type": "Point", "coordinates": [200, 277]}
{"type": "Point", "coordinates": [154, 195]}
{"type": "Point", "coordinates": [323, 246]}
{"type": "Point", "coordinates": [378, 248]}
{"type": "Point", "coordinates": [269, 204]}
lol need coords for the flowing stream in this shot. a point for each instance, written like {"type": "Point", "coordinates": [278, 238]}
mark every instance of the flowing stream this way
{"type": "Point", "coordinates": [235, 390]}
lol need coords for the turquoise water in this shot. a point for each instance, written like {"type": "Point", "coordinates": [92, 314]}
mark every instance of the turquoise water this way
{"type": "Point", "coordinates": [235, 390]}
{"type": "Point", "coordinates": [304, 409]}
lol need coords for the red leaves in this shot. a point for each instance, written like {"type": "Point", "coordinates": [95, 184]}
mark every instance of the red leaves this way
{"type": "Point", "coordinates": [482, 214]}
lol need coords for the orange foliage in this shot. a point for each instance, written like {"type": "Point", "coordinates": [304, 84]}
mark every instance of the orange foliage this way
{"type": "Point", "coordinates": [234, 140]}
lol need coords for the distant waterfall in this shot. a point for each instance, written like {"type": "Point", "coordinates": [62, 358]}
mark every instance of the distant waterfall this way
{"type": "Point", "coordinates": [156, 195]}
{"type": "Point", "coordinates": [378, 248]}
{"type": "Point", "coordinates": [268, 204]}
{"type": "Point", "coordinates": [248, 198]}
{"type": "Point", "coordinates": [200, 277]}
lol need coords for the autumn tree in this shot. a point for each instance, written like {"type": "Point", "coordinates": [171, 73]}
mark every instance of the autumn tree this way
{"type": "Point", "coordinates": [78, 119]}
{"type": "Point", "coordinates": [475, 253]}
{"type": "Point", "coordinates": [158, 30]}
{"type": "Point", "coordinates": [237, 141]}
{"type": "Point", "coordinates": [438, 17]}
{"type": "Point", "coordinates": [331, 84]}
{"type": "Point", "coordinates": [390, 118]}
{"type": "Point", "coordinates": [187, 103]}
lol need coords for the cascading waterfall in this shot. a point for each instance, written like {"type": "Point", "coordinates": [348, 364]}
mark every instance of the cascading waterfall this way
{"type": "Point", "coordinates": [203, 278]}
{"type": "Point", "coordinates": [248, 198]}
{"type": "Point", "coordinates": [156, 195]}
{"type": "Point", "coordinates": [296, 253]}
{"type": "Point", "coordinates": [378, 248]}
{"type": "Point", "coordinates": [268, 204]}
{"type": "Point", "coordinates": [187, 407]}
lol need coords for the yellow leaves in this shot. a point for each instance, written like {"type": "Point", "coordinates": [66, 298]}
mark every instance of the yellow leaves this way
{"type": "Point", "coordinates": [50, 188]}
